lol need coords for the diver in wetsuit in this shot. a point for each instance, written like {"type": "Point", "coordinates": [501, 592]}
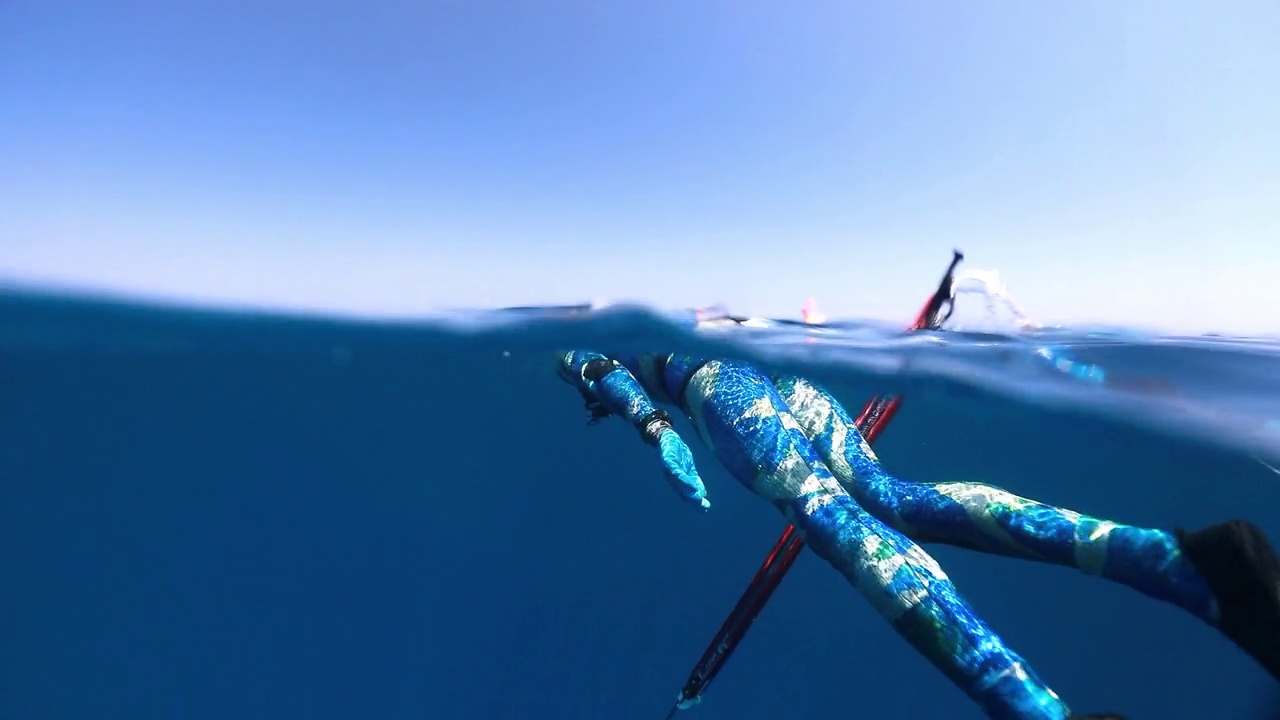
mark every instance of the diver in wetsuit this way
{"type": "Point", "coordinates": [816, 469]}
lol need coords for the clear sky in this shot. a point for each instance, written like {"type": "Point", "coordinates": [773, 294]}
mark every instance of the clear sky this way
{"type": "Point", "coordinates": [1119, 162]}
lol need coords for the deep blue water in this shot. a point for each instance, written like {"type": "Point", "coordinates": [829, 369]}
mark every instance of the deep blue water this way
{"type": "Point", "coordinates": [229, 516]}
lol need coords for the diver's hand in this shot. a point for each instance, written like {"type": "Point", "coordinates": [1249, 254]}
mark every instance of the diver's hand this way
{"type": "Point", "coordinates": [677, 461]}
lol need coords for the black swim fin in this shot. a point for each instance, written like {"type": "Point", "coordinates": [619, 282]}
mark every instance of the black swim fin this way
{"type": "Point", "coordinates": [1244, 574]}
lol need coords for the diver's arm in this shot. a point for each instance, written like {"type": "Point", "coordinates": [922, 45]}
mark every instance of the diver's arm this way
{"type": "Point", "coordinates": [1063, 362]}
{"type": "Point", "coordinates": [606, 381]}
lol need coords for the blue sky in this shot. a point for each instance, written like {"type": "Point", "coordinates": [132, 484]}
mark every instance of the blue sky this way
{"type": "Point", "coordinates": [1118, 164]}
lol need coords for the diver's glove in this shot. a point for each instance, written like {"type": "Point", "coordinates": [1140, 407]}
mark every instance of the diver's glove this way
{"type": "Point", "coordinates": [677, 461]}
{"type": "Point", "coordinates": [677, 458]}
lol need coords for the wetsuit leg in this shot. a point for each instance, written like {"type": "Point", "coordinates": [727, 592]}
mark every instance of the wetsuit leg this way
{"type": "Point", "coordinates": [741, 416]}
{"type": "Point", "coordinates": [1180, 568]}
{"type": "Point", "coordinates": [989, 519]}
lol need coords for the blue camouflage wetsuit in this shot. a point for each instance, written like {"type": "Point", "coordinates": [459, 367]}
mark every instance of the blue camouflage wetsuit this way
{"type": "Point", "coordinates": [791, 443]}
{"type": "Point", "coordinates": [989, 519]}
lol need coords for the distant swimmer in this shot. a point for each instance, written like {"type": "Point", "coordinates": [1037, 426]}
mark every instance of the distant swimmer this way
{"type": "Point", "coordinates": [810, 313]}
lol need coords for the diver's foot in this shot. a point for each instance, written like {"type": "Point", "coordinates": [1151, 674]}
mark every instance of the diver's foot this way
{"type": "Point", "coordinates": [1244, 574]}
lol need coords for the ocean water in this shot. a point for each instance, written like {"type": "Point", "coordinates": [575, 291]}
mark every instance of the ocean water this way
{"type": "Point", "coordinates": [233, 515]}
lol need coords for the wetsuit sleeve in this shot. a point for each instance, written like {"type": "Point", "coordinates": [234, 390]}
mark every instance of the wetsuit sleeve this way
{"type": "Point", "coordinates": [1063, 362]}
{"type": "Point", "coordinates": [612, 386]}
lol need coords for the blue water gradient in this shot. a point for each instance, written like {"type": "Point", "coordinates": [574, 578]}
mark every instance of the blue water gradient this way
{"type": "Point", "coordinates": [211, 515]}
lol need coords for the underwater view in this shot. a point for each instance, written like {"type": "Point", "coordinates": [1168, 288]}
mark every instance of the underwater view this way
{"type": "Point", "coordinates": [213, 514]}
{"type": "Point", "coordinates": [500, 360]}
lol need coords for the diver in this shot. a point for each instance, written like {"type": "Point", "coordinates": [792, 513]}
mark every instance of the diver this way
{"type": "Point", "coordinates": [816, 469]}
